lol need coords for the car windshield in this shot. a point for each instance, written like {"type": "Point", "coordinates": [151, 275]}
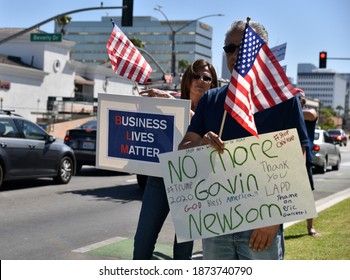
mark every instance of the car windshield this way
{"type": "Point", "coordinates": [89, 125]}
{"type": "Point", "coordinates": [334, 132]}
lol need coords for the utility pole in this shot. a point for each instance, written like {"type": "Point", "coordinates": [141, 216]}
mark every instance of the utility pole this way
{"type": "Point", "coordinates": [174, 32]}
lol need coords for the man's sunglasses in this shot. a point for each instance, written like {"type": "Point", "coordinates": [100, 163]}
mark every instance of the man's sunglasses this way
{"type": "Point", "coordinates": [230, 48]}
{"type": "Point", "coordinates": [206, 79]}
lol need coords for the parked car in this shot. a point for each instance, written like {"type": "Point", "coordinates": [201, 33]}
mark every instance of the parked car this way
{"type": "Point", "coordinates": [325, 152]}
{"type": "Point", "coordinates": [27, 151]}
{"type": "Point", "coordinates": [82, 140]}
{"type": "Point", "coordinates": [339, 136]}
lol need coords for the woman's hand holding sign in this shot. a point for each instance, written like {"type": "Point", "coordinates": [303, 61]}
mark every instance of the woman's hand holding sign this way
{"type": "Point", "coordinates": [154, 92]}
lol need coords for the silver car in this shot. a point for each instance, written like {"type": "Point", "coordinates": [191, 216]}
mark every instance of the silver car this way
{"type": "Point", "coordinates": [325, 152]}
{"type": "Point", "coordinates": [28, 152]}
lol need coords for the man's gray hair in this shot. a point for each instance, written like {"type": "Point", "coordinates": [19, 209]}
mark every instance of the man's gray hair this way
{"type": "Point", "coordinates": [239, 25]}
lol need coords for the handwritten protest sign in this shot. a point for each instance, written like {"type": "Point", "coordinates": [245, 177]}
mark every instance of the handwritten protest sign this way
{"type": "Point", "coordinates": [255, 183]}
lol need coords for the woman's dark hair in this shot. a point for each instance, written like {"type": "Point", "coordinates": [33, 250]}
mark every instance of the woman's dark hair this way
{"type": "Point", "coordinates": [192, 71]}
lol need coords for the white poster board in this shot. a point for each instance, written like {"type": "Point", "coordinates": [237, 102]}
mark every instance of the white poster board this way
{"type": "Point", "coordinates": [280, 51]}
{"type": "Point", "coordinates": [256, 182]}
{"type": "Point", "coordinates": [133, 130]}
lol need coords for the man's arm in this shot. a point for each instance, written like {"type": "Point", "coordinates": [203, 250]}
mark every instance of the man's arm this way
{"type": "Point", "coordinates": [310, 114]}
{"type": "Point", "coordinates": [192, 139]}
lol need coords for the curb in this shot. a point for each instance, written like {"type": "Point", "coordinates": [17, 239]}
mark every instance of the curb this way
{"type": "Point", "coordinates": [325, 203]}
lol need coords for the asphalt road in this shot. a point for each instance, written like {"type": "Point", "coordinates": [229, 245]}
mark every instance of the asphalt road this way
{"type": "Point", "coordinates": [40, 220]}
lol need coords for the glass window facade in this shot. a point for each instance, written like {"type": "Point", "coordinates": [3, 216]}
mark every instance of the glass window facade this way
{"type": "Point", "coordinates": [191, 42]}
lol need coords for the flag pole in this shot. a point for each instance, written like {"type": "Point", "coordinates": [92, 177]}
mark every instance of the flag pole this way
{"type": "Point", "coordinates": [248, 20]}
{"type": "Point", "coordinates": [137, 87]}
{"type": "Point", "coordinates": [222, 123]}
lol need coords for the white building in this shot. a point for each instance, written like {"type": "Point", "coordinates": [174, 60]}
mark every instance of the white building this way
{"type": "Point", "coordinates": [329, 87]}
{"type": "Point", "coordinates": [33, 74]}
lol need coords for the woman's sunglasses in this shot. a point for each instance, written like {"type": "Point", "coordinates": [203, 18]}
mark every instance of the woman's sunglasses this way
{"type": "Point", "coordinates": [206, 79]}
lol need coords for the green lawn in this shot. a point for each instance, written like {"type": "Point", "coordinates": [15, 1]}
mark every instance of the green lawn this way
{"type": "Point", "coordinates": [334, 243]}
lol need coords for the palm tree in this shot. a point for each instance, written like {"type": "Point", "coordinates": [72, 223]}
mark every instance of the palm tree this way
{"type": "Point", "coordinates": [137, 43]}
{"type": "Point", "coordinates": [339, 108]}
{"type": "Point", "coordinates": [63, 21]}
{"type": "Point", "coordinates": [183, 64]}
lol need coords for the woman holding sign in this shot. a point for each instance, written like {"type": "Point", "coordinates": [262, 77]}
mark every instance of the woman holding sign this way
{"type": "Point", "coordinates": [199, 77]}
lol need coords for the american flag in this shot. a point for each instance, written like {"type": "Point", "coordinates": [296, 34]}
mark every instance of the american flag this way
{"type": "Point", "coordinates": [125, 58]}
{"type": "Point", "coordinates": [258, 81]}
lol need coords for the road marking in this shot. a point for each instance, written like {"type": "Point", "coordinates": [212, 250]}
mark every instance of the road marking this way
{"type": "Point", "coordinates": [99, 244]}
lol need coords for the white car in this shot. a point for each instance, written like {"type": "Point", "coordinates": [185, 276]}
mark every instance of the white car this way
{"type": "Point", "coordinates": [325, 152]}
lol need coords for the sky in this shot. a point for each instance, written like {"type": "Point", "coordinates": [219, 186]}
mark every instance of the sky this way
{"type": "Point", "coordinates": [307, 26]}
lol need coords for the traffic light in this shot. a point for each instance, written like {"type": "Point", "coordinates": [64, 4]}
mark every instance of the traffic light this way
{"type": "Point", "coordinates": [127, 13]}
{"type": "Point", "coordinates": [323, 60]}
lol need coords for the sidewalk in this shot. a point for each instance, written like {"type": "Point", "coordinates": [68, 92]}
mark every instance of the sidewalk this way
{"type": "Point", "coordinates": [327, 202]}
{"type": "Point", "coordinates": [120, 248]}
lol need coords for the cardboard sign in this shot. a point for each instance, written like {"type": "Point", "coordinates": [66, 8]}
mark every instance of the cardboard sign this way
{"type": "Point", "coordinates": [256, 182]}
{"type": "Point", "coordinates": [133, 130]}
{"type": "Point", "coordinates": [280, 51]}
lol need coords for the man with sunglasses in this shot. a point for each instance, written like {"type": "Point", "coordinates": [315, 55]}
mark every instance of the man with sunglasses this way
{"type": "Point", "coordinates": [265, 243]}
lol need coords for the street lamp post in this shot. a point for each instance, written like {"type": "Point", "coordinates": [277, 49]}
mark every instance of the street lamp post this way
{"type": "Point", "coordinates": [13, 36]}
{"type": "Point", "coordinates": [173, 33]}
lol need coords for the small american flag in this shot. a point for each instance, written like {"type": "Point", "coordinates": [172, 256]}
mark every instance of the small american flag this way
{"type": "Point", "coordinates": [258, 81]}
{"type": "Point", "coordinates": [126, 59]}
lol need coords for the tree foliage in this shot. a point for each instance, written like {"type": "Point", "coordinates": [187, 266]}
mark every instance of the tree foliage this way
{"type": "Point", "coordinates": [326, 117]}
{"type": "Point", "coordinates": [137, 42]}
{"type": "Point", "coordinates": [183, 64]}
{"type": "Point", "coordinates": [63, 21]}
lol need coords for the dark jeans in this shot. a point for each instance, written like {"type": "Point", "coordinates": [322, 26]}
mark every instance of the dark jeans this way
{"type": "Point", "coordinates": [154, 211]}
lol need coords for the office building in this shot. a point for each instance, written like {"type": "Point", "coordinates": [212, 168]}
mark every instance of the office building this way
{"type": "Point", "coordinates": [329, 87]}
{"type": "Point", "coordinates": [191, 42]}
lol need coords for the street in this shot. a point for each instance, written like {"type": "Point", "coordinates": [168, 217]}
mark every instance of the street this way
{"type": "Point", "coordinates": [41, 220]}
{"type": "Point", "coordinates": [47, 221]}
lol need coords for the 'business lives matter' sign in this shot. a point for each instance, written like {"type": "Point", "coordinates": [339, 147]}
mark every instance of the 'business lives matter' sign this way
{"type": "Point", "coordinates": [133, 130]}
{"type": "Point", "coordinates": [139, 136]}
{"type": "Point", "coordinates": [256, 182]}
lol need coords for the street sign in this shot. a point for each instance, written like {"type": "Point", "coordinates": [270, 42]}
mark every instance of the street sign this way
{"type": "Point", "coordinates": [45, 37]}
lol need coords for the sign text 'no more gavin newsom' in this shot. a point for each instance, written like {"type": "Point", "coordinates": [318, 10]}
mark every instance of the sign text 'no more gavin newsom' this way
{"type": "Point", "coordinates": [256, 182]}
